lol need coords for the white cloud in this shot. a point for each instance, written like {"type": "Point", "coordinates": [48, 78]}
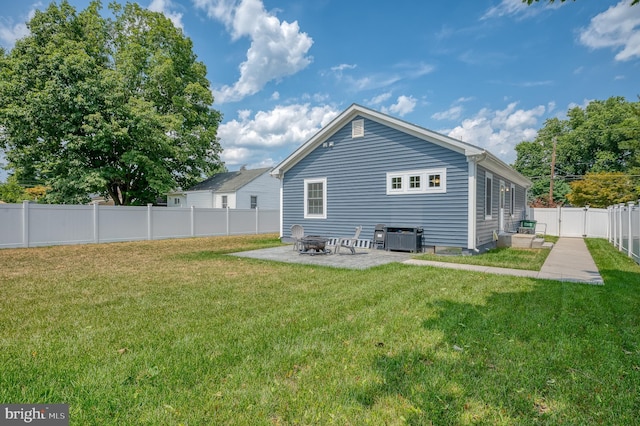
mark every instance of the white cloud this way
{"type": "Point", "coordinates": [378, 80]}
{"type": "Point", "coordinates": [11, 32]}
{"type": "Point", "coordinates": [617, 28]}
{"type": "Point", "coordinates": [342, 67]}
{"type": "Point", "coordinates": [377, 100]}
{"type": "Point", "coordinates": [249, 140]}
{"type": "Point", "coordinates": [164, 7]}
{"type": "Point", "coordinates": [403, 106]}
{"type": "Point", "coordinates": [517, 8]}
{"type": "Point", "coordinates": [452, 113]}
{"type": "Point", "coordinates": [278, 49]}
{"type": "Point", "coordinates": [455, 111]}
{"type": "Point", "coordinates": [500, 131]}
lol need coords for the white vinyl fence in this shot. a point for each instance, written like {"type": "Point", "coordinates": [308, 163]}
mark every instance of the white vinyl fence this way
{"type": "Point", "coordinates": [30, 225]}
{"type": "Point", "coordinates": [624, 229]}
{"type": "Point", "coordinates": [571, 221]}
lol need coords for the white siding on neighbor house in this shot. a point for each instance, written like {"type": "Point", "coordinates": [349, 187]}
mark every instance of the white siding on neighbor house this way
{"type": "Point", "coordinates": [231, 200]}
{"type": "Point", "coordinates": [176, 201]}
{"type": "Point", "coordinates": [265, 187]}
{"type": "Point", "coordinates": [202, 199]}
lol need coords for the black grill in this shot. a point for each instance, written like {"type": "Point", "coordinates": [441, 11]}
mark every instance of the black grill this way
{"type": "Point", "coordinates": [403, 238]}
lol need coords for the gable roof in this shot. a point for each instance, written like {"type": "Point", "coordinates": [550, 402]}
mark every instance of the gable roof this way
{"type": "Point", "coordinates": [488, 160]}
{"type": "Point", "coordinates": [229, 181]}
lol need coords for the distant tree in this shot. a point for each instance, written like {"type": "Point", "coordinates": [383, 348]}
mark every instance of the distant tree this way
{"type": "Point", "coordinates": [12, 192]}
{"type": "Point", "coordinates": [603, 189]}
{"type": "Point", "coordinates": [117, 106]}
{"type": "Point", "coordinates": [603, 137]}
{"type": "Point", "coordinates": [37, 192]}
{"type": "Point", "coordinates": [562, 1]}
{"type": "Point", "coordinates": [630, 130]}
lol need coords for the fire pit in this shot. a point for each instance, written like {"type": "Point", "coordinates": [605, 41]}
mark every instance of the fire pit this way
{"type": "Point", "coordinates": [314, 245]}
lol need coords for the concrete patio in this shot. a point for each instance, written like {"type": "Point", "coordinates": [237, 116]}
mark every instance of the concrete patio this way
{"type": "Point", "coordinates": [569, 260]}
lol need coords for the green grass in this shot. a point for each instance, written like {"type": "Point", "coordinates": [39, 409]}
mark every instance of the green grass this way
{"type": "Point", "coordinates": [176, 332]}
{"type": "Point", "coordinates": [504, 257]}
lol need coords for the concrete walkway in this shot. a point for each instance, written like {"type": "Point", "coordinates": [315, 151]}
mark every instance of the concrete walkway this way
{"type": "Point", "coordinates": [569, 260]}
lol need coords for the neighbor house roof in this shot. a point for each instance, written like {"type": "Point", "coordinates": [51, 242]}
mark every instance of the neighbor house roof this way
{"type": "Point", "coordinates": [229, 181]}
{"type": "Point", "coordinates": [488, 160]}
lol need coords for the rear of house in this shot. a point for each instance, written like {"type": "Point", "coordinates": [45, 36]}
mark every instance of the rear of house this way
{"type": "Point", "coordinates": [367, 168]}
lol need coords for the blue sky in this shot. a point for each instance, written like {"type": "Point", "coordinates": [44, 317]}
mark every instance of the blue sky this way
{"type": "Point", "coordinates": [489, 72]}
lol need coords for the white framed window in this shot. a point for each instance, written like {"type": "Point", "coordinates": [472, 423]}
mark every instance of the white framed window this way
{"type": "Point", "coordinates": [488, 195]}
{"type": "Point", "coordinates": [225, 202]}
{"type": "Point", "coordinates": [357, 128]}
{"type": "Point", "coordinates": [415, 183]}
{"type": "Point", "coordinates": [426, 181]}
{"type": "Point", "coordinates": [394, 184]}
{"type": "Point", "coordinates": [512, 200]}
{"type": "Point", "coordinates": [254, 201]}
{"type": "Point", "coordinates": [315, 198]}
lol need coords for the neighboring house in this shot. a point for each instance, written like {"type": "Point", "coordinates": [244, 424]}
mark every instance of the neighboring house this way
{"type": "Point", "coordinates": [243, 189]}
{"type": "Point", "coordinates": [367, 168]}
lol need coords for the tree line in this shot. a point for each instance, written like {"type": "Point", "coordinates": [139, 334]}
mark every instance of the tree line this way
{"type": "Point", "coordinates": [595, 154]}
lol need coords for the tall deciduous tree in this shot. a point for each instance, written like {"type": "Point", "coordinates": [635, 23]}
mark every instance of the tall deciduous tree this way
{"type": "Point", "coordinates": [118, 106]}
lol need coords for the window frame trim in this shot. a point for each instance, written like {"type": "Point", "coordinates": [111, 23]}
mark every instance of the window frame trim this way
{"type": "Point", "coordinates": [512, 200]}
{"type": "Point", "coordinates": [488, 176]}
{"type": "Point", "coordinates": [424, 175]}
{"type": "Point", "coordinates": [306, 213]}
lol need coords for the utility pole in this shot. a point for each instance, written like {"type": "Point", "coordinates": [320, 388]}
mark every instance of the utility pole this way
{"type": "Point", "coordinates": [553, 172]}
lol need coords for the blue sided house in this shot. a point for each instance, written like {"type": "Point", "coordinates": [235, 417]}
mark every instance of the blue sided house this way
{"type": "Point", "coordinates": [366, 168]}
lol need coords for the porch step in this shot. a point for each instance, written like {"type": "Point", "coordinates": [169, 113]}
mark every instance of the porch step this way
{"type": "Point", "coordinates": [537, 243]}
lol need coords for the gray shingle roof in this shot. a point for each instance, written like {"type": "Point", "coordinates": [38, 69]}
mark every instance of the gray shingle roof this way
{"type": "Point", "coordinates": [229, 181]}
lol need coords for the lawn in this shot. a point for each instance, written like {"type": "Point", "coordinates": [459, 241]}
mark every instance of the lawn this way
{"type": "Point", "coordinates": [177, 332]}
{"type": "Point", "coordinates": [503, 257]}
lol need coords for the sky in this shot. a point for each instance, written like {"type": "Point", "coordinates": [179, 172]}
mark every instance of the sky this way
{"type": "Point", "coordinates": [487, 72]}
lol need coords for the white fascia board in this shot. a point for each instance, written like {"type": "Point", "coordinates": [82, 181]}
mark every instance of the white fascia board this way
{"type": "Point", "coordinates": [501, 168]}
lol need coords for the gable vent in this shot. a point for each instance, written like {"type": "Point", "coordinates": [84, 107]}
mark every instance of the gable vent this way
{"type": "Point", "coordinates": [357, 128]}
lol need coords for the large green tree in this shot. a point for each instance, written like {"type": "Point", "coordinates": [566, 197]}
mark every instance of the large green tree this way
{"type": "Point", "coordinates": [602, 137]}
{"type": "Point", "coordinates": [117, 106]}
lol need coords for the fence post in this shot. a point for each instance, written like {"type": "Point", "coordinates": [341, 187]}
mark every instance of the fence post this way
{"type": "Point", "coordinates": [630, 239]}
{"type": "Point", "coordinates": [559, 216]}
{"type": "Point", "coordinates": [193, 221]}
{"type": "Point", "coordinates": [620, 206]}
{"type": "Point", "coordinates": [257, 220]}
{"type": "Point", "coordinates": [25, 223]}
{"type": "Point", "coordinates": [228, 227]}
{"type": "Point", "coordinates": [616, 225]}
{"type": "Point", "coordinates": [612, 225]}
{"type": "Point", "coordinates": [149, 222]}
{"type": "Point", "coordinates": [96, 224]}
{"type": "Point", "coordinates": [584, 224]}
